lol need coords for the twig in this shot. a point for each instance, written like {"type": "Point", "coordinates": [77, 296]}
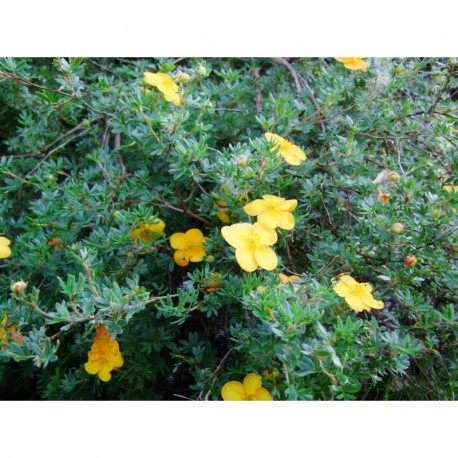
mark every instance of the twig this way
{"type": "Point", "coordinates": [215, 372]}
{"type": "Point", "coordinates": [50, 153]}
{"type": "Point", "coordinates": [19, 80]}
{"type": "Point", "coordinates": [121, 162]}
{"type": "Point", "coordinates": [285, 63]}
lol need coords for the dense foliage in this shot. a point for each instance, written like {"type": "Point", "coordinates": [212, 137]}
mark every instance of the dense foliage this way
{"type": "Point", "coordinates": [94, 159]}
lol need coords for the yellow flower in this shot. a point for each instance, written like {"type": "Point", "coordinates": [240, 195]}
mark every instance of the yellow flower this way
{"type": "Point", "coordinates": [449, 188]}
{"type": "Point", "coordinates": [353, 63]}
{"type": "Point", "coordinates": [5, 250]}
{"type": "Point", "coordinates": [251, 245]}
{"type": "Point", "coordinates": [189, 246]}
{"type": "Point", "coordinates": [273, 211]}
{"type": "Point", "coordinates": [146, 232]}
{"type": "Point", "coordinates": [164, 83]}
{"type": "Point", "coordinates": [292, 154]}
{"type": "Point", "coordinates": [6, 333]}
{"type": "Point", "coordinates": [222, 212]}
{"type": "Point", "coordinates": [357, 295]}
{"type": "Point", "coordinates": [250, 390]}
{"type": "Point", "coordinates": [104, 356]}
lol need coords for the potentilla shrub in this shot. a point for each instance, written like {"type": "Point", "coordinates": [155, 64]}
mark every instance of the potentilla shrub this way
{"type": "Point", "coordinates": [237, 229]}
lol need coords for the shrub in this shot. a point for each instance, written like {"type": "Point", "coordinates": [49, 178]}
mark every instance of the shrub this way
{"type": "Point", "coordinates": [108, 180]}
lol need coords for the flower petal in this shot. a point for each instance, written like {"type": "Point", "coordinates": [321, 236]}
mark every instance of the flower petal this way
{"type": "Point", "coordinates": [196, 254]}
{"type": "Point", "coordinates": [271, 218]}
{"type": "Point", "coordinates": [279, 141]}
{"type": "Point", "coordinates": [256, 207]}
{"type": "Point", "coordinates": [267, 234]}
{"type": "Point", "coordinates": [245, 258]}
{"type": "Point", "coordinates": [265, 257]}
{"type": "Point", "coordinates": [5, 251]}
{"type": "Point", "coordinates": [288, 205]}
{"type": "Point", "coordinates": [233, 391]}
{"type": "Point", "coordinates": [92, 367]}
{"type": "Point", "coordinates": [345, 285]}
{"type": "Point", "coordinates": [251, 383]}
{"type": "Point", "coordinates": [235, 234]}
{"type": "Point", "coordinates": [296, 151]}
{"type": "Point", "coordinates": [105, 373]}
{"type": "Point", "coordinates": [355, 302]}
{"type": "Point", "coordinates": [369, 301]}
{"type": "Point", "coordinates": [366, 287]}
{"type": "Point", "coordinates": [290, 158]}
{"type": "Point", "coordinates": [262, 395]}
{"type": "Point", "coordinates": [273, 199]}
{"type": "Point", "coordinates": [155, 79]}
{"type": "Point", "coordinates": [181, 257]}
{"type": "Point", "coordinates": [286, 221]}
{"type": "Point", "coordinates": [195, 237]}
{"type": "Point", "coordinates": [178, 241]}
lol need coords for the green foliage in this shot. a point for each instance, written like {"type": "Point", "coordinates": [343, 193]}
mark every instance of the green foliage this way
{"type": "Point", "coordinates": [90, 151]}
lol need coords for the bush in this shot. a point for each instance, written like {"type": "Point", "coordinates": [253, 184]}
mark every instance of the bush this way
{"type": "Point", "coordinates": [96, 159]}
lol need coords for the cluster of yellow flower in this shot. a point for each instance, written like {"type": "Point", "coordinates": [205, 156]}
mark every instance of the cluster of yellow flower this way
{"type": "Point", "coordinates": [252, 241]}
{"type": "Point", "coordinates": [104, 355]}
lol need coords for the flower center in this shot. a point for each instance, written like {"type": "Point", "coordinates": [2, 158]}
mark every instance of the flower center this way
{"type": "Point", "coordinates": [252, 240]}
{"type": "Point", "coordinates": [357, 290]}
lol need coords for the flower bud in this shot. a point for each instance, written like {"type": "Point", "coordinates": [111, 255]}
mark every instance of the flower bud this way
{"type": "Point", "coordinates": [241, 159]}
{"type": "Point", "coordinates": [201, 70]}
{"type": "Point", "coordinates": [182, 77]}
{"type": "Point", "coordinates": [19, 287]}
{"type": "Point", "coordinates": [210, 259]}
{"type": "Point", "coordinates": [397, 228]}
{"type": "Point", "coordinates": [394, 176]}
{"type": "Point", "coordinates": [409, 197]}
{"type": "Point", "coordinates": [436, 212]}
{"type": "Point", "coordinates": [410, 260]}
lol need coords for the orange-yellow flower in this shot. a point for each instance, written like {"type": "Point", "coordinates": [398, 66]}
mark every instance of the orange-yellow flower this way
{"type": "Point", "coordinates": [55, 242]}
{"type": "Point", "coordinates": [251, 243]}
{"type": "Point", "coordinates": [146, 232]}
{"type": "Point", "coordinates": [250, 390]}
{"type": "Point", "coordinates": [292, 154]}
{"type": "Point", "coordinates": [189, 246]}
{"type": "Point", "coordinates": [5, 250]}
{"type": "Point", "coordinates": [104, 355]}
{"type": "Point", "coordinates": [383, 196]}
{"type": "Point", "coordinates": [353, 63]}
{"type": "Point", "coordinates": [6, 333]}
{"type": "Point", "coordinates": [273, 211]}
{"type": "Point", "coordinates": [449, 188]}
{"type": "Point", "coordinates": [165, 84]}
{"type": "Point", "coordinates": [357, 295]}
{"type": "Point", "coordinates": [214, 282]}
